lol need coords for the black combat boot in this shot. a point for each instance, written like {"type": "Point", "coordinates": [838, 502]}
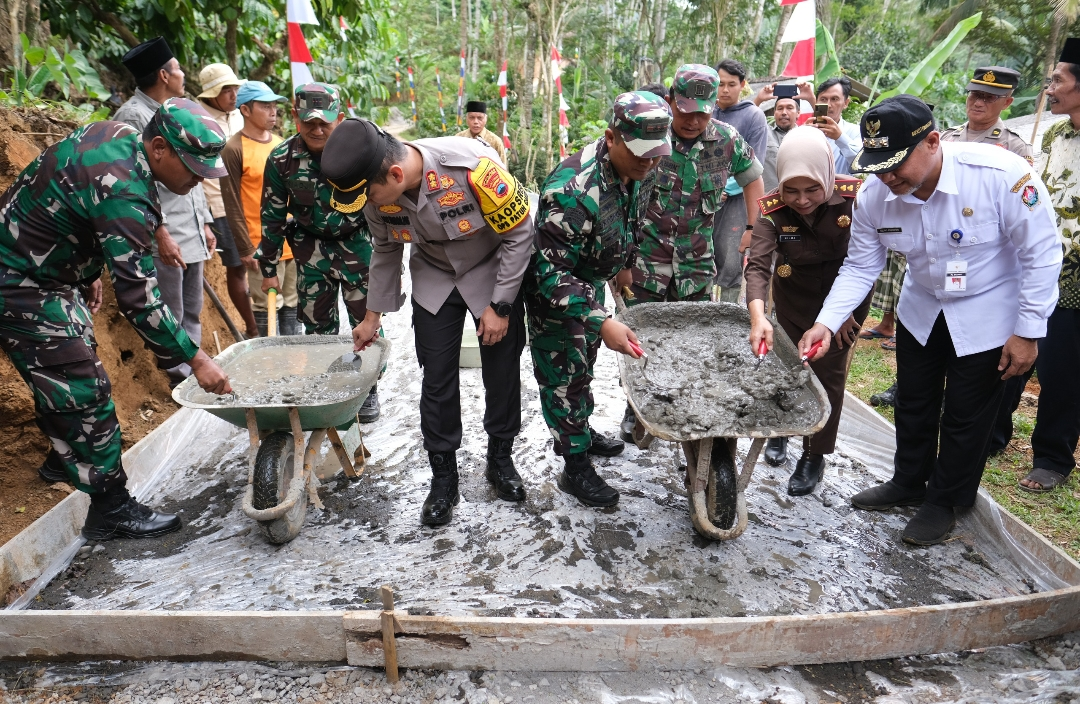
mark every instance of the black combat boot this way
{"type": "Point", "coordinates": [369, 412]}
{"type": "Point", "coordinates": [579, 478]}
{"type": "Point", "coordinates": [288, 324]}
{"type": "Point", "coordinates": [501, 472]}
{"type": "Point", "coordinates": [776, 452]}
{"type": "Point", "coordinates": [626, 427]}
{"type": "Point", "coordinates": [443, 497]}
{"type": "Point", "coordinates": [603, 446]}
{"type": "Point", "coordinates": [260, 321]}
{"type": "Point", "coordinates": [809, 471]}
{"type": "Point", "coordinates": [52, 469]}
{"type": "Point", "coordinates": [115, 514]}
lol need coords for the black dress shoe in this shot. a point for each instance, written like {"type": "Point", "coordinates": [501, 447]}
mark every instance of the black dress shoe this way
{"type": "Point", "coordinates": [885, 398]}
{"type": "Point", "coordinates": [887, 495]}
{"type": "Point", "coordinates": [369, 412]}
{"type": "Point", "coordinates": [626, 427]}
{"type": "Point", "coordinates": [501, 471]}
{"type": "Point", "coordinates": [776, 452]}
{"type": "Point", "coordinates": [443, 497]}
{"type": "Point", "coordinates": [930, 525]}
{"type": "Point", "coordinates": [809, 471]}
{"type": "Point", "coordinates": [603, 446]}
{"type": "Point", "coordinates": [52, 469]}
{"type": "Point", "coordinates": [579, 478]}
{"type": "Point", "coordinates": [128, 520]}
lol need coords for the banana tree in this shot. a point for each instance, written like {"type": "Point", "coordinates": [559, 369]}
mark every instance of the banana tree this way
{"type": "Point", "coordinates": [924, 72]}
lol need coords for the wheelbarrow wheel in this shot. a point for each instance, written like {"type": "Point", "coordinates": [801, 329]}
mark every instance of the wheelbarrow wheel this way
{"type": "Point", "coordinates": [722, 492]}
{"type": "Point", "coordinates": [273, 474]}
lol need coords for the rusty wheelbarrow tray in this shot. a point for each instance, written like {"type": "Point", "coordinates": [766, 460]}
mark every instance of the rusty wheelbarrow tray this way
{"type": "Point", "coordinates": [717, 492]}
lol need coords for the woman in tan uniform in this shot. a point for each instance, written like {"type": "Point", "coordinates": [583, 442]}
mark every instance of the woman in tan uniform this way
{"type": "Point", "coordinates": [805, 225]}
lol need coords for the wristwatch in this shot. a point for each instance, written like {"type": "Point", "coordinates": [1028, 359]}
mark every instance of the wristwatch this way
{"type": "Point", "coordinates": [503, 310]}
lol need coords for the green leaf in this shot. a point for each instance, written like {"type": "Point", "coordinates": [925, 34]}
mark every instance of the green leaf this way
{"type": "Point", "coordinates": [925, 71]}
{"type": "Point", "coordinates": [34, 55]}
{"type": "Point", "coordinates": [35, 85]}
{"type": "Point", "coordinates": [229, 13]}
{"type": "Point", "coordinates": [824, 47]}
{"type": "Point", "coordinates": [25, 40]}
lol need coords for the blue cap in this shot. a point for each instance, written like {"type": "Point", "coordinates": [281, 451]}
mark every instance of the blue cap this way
{"type": "Point", "coordinates": [257, 90]}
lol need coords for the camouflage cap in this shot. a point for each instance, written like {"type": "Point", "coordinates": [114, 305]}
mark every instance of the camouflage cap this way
{"type": "Point", "coordinates": [196, 137]}
{"type": "Point", "coordinates": [643, 120]}
{"type": "Point", "coordinates": [317, 101]}
{"type": "Point", "coordinates": [695, 88]}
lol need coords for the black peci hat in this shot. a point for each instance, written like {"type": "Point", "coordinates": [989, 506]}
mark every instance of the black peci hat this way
{"type": "Point", "coordinates": [147, 58]}
{"type": "Point", "coordinates": [352, 157]}
{"type": "Point", "coordinates": [1070, 53]}
{"type": "Point", "coordinates": [890, 131]}
{"type": "Point", "coordinates": [476, 106]}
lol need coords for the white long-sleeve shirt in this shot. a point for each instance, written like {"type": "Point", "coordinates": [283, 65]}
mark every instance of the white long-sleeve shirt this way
{"type": "Point", "coordinates": [846, 146]}
{"type": "Point", "coordinates": [1009, 241]}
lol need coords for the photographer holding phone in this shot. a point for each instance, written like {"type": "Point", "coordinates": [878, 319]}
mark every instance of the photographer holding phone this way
{"type": "Point", "coordinates": [843, 136]}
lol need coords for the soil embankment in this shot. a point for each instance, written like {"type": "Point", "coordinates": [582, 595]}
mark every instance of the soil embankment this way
{"type": "Point", "coordinates": [140, 389]}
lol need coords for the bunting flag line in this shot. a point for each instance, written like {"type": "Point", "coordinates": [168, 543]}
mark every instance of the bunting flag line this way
{"type": "Point", "coordinates": [438, 85]}
{"type": "Point", "coordinates": [412, 97]}
{"type": "Point", "coordinates": [298, 12]}
{"type": "Point", "coordinates": [564, 123]}
{"type": "Point", "coordinates": [502, 95]}
{"type": "Point", "coordinates": [801, 29]}
{"type": "Point", "coordinates": [397, 75]}
{"type": "Point", "coordinates": [461, 89]}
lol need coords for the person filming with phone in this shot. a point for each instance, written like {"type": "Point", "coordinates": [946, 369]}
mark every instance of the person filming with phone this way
{"type": "Point", "coordinates": [833, 97]}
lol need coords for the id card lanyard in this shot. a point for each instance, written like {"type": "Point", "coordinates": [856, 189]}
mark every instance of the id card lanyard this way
{"type": "Point", "coordinates": [956, 268]}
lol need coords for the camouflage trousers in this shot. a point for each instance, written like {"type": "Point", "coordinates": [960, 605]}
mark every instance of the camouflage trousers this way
{"type": "Point", "coordinates": [72, 403]}
{"type": "Point", "coordinates": [332, 266]}
{"type": "Point", "coordinates": [564, 355]}
{"type": "Point", "coordinates": [644, 295]}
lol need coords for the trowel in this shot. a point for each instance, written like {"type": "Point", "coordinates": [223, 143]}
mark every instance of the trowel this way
{"type": "Point", "coordinates": [762, 350]}
{"type": "Point", "coordinates": [810, 352]}
{"type": "Point", "coordinates": [348, 362]}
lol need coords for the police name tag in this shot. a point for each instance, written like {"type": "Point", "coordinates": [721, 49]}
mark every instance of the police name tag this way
{"type": "Point", "coordinates": [790, 238]}
{"type": "Point", "coordinates": [956, 275]}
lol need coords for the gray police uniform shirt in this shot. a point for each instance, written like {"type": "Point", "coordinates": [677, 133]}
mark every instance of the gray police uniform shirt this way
{"type": "Point", "coordinates": [999, 135]}
{"type": "Point", "coordinates": [184, 216]}
{"type": "Point", "coordinates": [469, 227]}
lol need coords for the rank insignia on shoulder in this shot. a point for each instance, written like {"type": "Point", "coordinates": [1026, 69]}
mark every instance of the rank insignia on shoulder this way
{"type": "Point", "coordinates": [1020, 184]}
{"type": "Point", "coordinates": [451, 198]}
{"type": "Point", "coordinates": [848, 187]}
{"type": "Point", "coordinates": [1030, 197]}
{"type": "Point", "coordinates": [770, 203]}
{"type": "Point", "coordinates": [390, 209]}
{"type": "Point", "coordinates": [432, 180]}
{"type": "Point", "coordinates": [503, 202]}
{"type": "Point", "coordinates": [843, 221]}
{"type": "Point", "coordinates": [445, 181]}
{"type": "Point", "coordinates": [996, 132]}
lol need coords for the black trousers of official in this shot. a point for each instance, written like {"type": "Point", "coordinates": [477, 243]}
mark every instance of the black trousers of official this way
{"type": "Point", "coordinates": [943, 448]}
{"type": "Point", "coordinates": [438, 349]}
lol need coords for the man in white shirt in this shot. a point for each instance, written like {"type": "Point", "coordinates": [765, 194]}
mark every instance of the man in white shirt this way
{"type": "Point", "coordinates": [976, 226]}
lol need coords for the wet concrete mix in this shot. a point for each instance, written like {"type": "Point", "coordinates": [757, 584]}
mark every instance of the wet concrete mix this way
{"type": "Point", "coordinates": [701, 379]}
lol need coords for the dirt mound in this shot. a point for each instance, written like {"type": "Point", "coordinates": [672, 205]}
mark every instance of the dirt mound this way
{"type": "Point", "coordinates": [140, 389]}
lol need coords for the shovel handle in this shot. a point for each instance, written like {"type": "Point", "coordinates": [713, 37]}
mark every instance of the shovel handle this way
{"type": "Point", "coordinates": [271, 312]}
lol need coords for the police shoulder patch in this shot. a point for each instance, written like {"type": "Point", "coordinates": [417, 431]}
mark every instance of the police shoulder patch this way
{"type": "Point", "coordinates": [770, 203]}
{"type": "Point", "coordinates": [848, 187]}
{"type": "Point", "coordinates": [503, 202]}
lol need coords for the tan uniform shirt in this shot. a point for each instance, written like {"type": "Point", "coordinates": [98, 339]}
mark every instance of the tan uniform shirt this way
{"type": "Point", "coordinates": [469, 226]}
{"type": "Point", "coordinates": [490, 138]}
{"type": "Point", "coordinates": [999, 135]}
{"type": "Point", "coordinates": [230, 123]}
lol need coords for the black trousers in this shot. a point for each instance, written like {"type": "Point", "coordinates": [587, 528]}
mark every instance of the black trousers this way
{"type": "Point", "coordinates": [438, 349]}
{"type": "Point", "coordinates": [943, 448]}
{"type": "Point", "coordinates": [1057, 425]}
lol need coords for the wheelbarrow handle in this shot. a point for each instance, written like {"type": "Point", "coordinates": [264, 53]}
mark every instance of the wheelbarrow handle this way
{"type": "Point", "coordinates": [271, 312]}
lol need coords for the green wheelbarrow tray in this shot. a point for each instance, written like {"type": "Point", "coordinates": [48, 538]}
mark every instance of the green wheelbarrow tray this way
{"type": "Point", "coordinates": [306, 355]}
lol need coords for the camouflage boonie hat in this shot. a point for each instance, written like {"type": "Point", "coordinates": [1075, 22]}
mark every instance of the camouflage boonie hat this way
{"type": "Point", "coordinates": [643, 120]}
{"type": "Point", "coordinates": [196, 137]}
{"type": "Point", "coordinates": [317, 100]}
{"type": "Point", "coordinates": [695, 88]}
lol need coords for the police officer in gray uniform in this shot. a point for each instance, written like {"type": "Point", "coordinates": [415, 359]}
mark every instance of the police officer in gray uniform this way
{"type": "Point", "coordinates": [468, 222]}
{"type": "Point", "coordinates": [989, 93]}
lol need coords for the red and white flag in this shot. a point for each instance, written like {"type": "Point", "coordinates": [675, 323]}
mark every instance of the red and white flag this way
{"type": "Point", "coordinates": [461, 89]}
{"type": "Point", "coordinates": [564, 123]}
{"type": "Point", "coordinates": [342, 27]}
{"type": "Point", "coordinates": [298, 12]}
{"type": "Point", "coordinates": [502, 95]}
{"type": "Point", "coordinates": [801, 29]}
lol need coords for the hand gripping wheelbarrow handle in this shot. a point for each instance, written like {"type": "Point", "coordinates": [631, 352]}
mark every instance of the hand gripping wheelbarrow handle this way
{"type": "Point", "coordinates": [271, 312]}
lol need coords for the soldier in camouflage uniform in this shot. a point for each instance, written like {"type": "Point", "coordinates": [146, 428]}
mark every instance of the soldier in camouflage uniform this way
{"type": "Point", "coordinates": [90, 201]}
{"type": "Point", "coordinates": [332, 247]}
{"type": "Point", "coordinates": [591, 209]}
{"type": "Point", "coordinates": [675, 260]}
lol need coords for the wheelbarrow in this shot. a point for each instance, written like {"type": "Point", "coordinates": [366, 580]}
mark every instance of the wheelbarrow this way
{"type": "Point", "coordinates": [701, 378]}
{"type": "Point", "coordinates": [284, 387]}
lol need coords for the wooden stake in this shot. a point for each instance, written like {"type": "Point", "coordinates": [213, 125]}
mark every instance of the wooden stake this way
{"type": "Point", "coordinates": [217, 342]}
{"type": "Point", "coordinates": [386, 620]}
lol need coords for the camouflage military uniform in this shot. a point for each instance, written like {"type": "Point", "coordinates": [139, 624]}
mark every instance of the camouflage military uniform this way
{"type": "Point", "coordinates": [332, 249]}
{"type": "Point", "coordinates": [89, 201]}
{"type": "Point", "coordinates": [586, 232]}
